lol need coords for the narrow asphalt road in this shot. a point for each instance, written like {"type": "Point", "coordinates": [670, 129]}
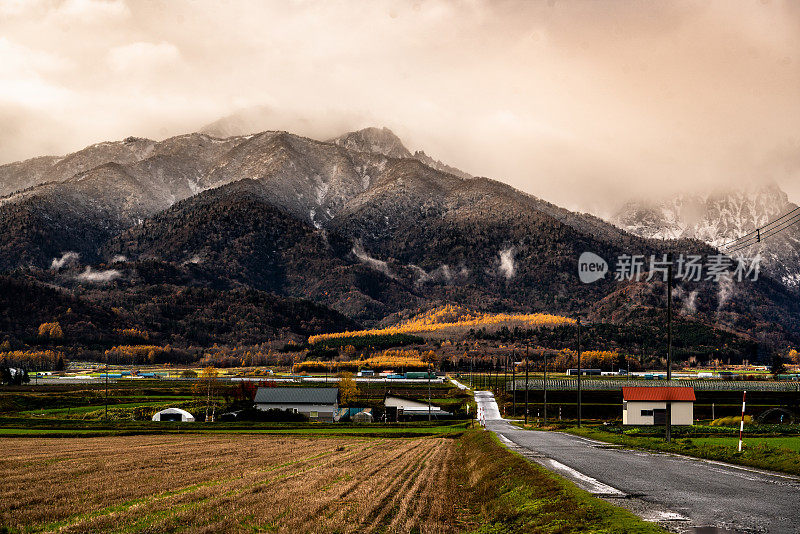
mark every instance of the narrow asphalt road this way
{"type": "Point", "coordinates": [679, 491]}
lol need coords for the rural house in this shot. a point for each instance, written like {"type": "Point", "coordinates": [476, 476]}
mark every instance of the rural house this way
{"type": "Point", "coordinates": [318, 404]}
{"type": "Point", "coordinates": [648, 405]}
{"type": "Point", "coordinates": [401, 408]}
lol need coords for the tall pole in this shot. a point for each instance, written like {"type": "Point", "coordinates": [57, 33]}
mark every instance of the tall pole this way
{"type": "Point", "coordinates": [505, 383]}
{"type": "Point", "coordinates": [579, 372]}
{"type": "Point", "coordinates": [106, 416]}
{"type": "Point", "coordinates": [544, 352]}
{"type": "Point", "coordinates": [741, 424]}
{"type": "Point", "coordinates": [429, 393]}
{"type": "Point", "coordinates": [472, 371]}
{"type": "Point", "coordinates": [527, 347]}
{"type": "Point", "coordinates": [669, 346]}
{"type": "Point", "coordinates": [514, 383]}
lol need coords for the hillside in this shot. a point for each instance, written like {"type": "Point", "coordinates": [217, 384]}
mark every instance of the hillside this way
{"type": "Point", "coordinates": [154, 303]}
{"type": "Point", "coordinates": [358, 225]}
{"type": "Point", "coordinates": [722, 217]}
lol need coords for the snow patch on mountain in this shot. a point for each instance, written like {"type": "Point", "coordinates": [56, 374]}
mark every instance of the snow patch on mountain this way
{"type": "Point", "coordinates": [721, 217]}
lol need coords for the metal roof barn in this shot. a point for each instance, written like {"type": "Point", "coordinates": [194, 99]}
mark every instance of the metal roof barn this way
{"type": "Point", "coordinates": [297, 396]}
{"type": "Point", "coordinates": [318, 404]}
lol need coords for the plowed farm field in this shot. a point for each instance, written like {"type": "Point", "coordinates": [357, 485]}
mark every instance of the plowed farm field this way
{"type": "Point", "coordinates": [227, 483]}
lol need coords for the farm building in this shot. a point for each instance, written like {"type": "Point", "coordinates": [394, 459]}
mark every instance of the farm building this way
{"type": "Point", "coordinates": [173, 414]}
{"type": "Point", "coordinates": [318, 404]}
{"type": "Point", "coordinates": [355, 414]}
{"type": "Point", "coordinates": [401, 408]}
{"type": "Point", "coordinates": [648, 405]}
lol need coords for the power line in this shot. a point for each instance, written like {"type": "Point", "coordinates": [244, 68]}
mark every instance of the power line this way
{"type": "Point", "coordinates": [755, 232]}
{"type": "Point", "coordinates": [769, 233]}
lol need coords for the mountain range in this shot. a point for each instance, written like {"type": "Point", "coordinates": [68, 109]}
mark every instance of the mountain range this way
{"type": "Point", "coordinates": [355, 230]}
{"type": "Point", "coordinates": [721, 218]}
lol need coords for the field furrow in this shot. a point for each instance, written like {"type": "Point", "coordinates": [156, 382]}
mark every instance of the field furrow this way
{"type": "Point", "coordinates": [227, 483]}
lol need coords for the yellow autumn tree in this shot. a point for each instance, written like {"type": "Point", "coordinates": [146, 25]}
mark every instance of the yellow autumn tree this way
{"type": "Point", "coordinates": [51, 330]}
{"type": "Point", "coordinates": [348, 390]}
{"type": "Point", "coordinates": [450, 317]}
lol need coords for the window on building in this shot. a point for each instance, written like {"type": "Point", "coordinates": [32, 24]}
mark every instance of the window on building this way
{"type": "Point", "coordinates": [647, 413]}
{"type": "Point", "coordinates": [313, 414]}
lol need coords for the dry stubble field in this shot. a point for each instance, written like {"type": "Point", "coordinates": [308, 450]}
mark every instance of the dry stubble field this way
{"type": "Point", "coordinates": [227, 483]}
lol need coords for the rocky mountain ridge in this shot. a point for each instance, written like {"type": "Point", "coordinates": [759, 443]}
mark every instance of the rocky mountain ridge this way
{"type": "Point", "coordinates": [358, 224]}
{"type": "Point", "coordinates": [722, 217]}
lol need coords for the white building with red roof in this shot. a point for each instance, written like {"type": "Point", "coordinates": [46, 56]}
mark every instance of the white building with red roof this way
{"type": "Point", "coordinates": [648, 405]}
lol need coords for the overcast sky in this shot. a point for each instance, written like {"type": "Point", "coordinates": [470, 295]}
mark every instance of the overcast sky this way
{"type": "Point", "coordinates": [579, 102]}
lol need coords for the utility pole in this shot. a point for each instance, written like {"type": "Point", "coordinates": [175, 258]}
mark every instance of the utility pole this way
{"type": "Point", "coordinates": [106, 416]}
{"type": "Point", "coordinates": [496, 373]}
{"type": "Point", "coordinates": [514, 383]}
{"type": "Point", "coordinates": [579, 372]}
{"type": "Point", "coordinates": [668, 430]}
{"type": "Point", "coordinates": [527, 347]}
{"type": "Point", "coordinates": [544, 353]}
{"type": "Point", "coordinates": [472, 371]}
{"type": "Point", "coordinates": [429, 393]}
{"type": "Point", "coordinates": [505, 382]}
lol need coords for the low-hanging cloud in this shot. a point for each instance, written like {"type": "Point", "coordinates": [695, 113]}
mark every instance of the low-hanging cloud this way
{"type": "Point", "coordinates": [507, 265]}
{"type": "Point", "coordinates": [442, 274]}
{"type": "Point", "coordinates": [725, 290]}
{"type": "Point", "coordinates": [378, 265]}
{"type": "Point", "coordinates": [599, 101]}
{"type": "Point", "coordinates": [688, 300]}
{"type": "Point", "coordinates": [66, 258]}
{"type": "Point", "coordinates": [98, 277]}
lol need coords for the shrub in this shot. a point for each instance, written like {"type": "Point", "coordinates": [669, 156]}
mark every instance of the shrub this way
{"type": "Point", "coordinates": [732, 420]}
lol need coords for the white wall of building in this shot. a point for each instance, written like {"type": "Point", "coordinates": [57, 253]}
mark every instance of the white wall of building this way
{"type": "Point", "coordinates": [682, 412]}
{"type": "Point", "coordinates": [404, 403]}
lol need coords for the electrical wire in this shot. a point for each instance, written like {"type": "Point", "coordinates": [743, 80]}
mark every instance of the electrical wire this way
{"type": "Point", "coordinates": [769, 233]}
{"type": "Point", "coordinates": [754, 233]}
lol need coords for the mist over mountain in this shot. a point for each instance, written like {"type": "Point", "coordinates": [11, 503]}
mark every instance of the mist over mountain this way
{"type": "Point", "coordinates": [722, 217]}
{"type": "Point", "coordinates": [358, 225]}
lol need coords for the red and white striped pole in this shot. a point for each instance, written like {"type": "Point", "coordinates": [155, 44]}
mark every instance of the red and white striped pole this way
{"type": "Point", "coordinates": [741, 424]}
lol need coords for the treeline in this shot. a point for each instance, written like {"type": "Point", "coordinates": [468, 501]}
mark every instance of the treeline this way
{"type": "Point", "coordinates": [35, 315]}
{"type": "Point", "coordinates": [33, 360]}
{"type": "Point", "coordinates": [395, 360]}
{"type": "Point", "coordinates": [147, 354]}
{"type": "Point", "coordinates": [361, 341]}
{"type": "Point", "coordinates": [260, 355]}
{"type": "Point", "coordinates": [445, 318]}
{"type": "Point", "coordinates": [13, 376]}
{"type": "Point", "coordinates": [692, 340]}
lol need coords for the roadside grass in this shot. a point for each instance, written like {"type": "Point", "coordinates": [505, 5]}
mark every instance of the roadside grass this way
{"type": "Point", "coordinates": [79, 410]}
{"type": "Point", "coordinates": [771, 454]}
{"type": "Point", "coordinates": [507, 493]}
{"type": "Point", "coordinates": [789, 442]}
